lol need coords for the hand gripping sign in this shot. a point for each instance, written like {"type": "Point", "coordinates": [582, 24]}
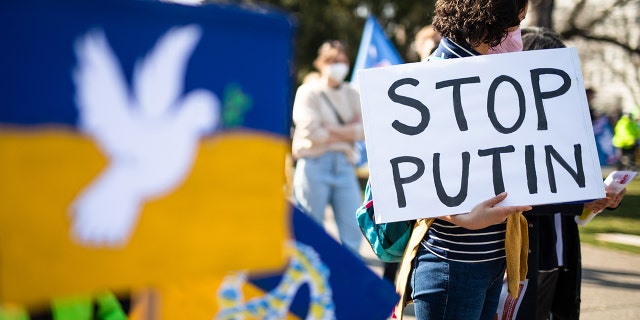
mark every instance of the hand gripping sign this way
{"type": "Point", "coordinates": [445, 135]}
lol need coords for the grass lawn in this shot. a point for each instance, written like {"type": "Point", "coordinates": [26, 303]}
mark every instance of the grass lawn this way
{"type": "Point", "coordinates": [625, 219]}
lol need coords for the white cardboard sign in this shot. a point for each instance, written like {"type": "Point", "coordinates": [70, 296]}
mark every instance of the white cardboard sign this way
{"type": "Point", "coordinates": [445, 135]}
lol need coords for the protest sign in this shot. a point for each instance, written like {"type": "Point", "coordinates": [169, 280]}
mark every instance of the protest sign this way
{"type": "Point", "coordinates": [445, 135]}
{"type": "Point", "coordinates": [140, 144]}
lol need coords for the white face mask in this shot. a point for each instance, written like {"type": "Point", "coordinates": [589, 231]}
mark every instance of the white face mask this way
{"type": "Point", "coordinates": [337, 71]}
{"type": "Point", "coordinates": [511, 43]}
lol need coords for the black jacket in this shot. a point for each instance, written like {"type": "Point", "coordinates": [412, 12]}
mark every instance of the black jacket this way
{"type": "Point", "coordinates": [543, 256]}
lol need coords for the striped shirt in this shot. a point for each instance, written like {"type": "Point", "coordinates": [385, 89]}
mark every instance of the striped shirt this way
{"type": "Point", "coordinates": [447, 240]}
{"type": "Point", "coordinates": [451, 242]}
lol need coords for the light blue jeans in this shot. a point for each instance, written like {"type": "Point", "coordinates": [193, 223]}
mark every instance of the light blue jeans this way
{"type": "Point", "coordinates": [330, 179]}
{"type": "Point", "coordinates": [444, 289]}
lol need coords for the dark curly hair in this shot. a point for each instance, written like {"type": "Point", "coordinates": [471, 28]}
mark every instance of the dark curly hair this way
{"type": "Point", "coordinates": [477, 21]}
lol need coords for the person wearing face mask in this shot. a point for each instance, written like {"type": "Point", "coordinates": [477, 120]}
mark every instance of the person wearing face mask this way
{"type": "Point", "coordinates": [453, 265]}
{"type": "Point", "coordinates": [554, 266]}
{"type": "Point", "coordinates": [327, 120]}
{"type": "Point", "coordinates": [427, 39]}
{"type": "Point", "coordinates": [511, 43]}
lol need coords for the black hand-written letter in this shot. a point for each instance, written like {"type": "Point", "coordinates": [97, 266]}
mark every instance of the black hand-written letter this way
{"type": "Point", "coordinates": [530, 165]}
{"type": "Point", "coordinates": [578, 174]}
{"type": "Point", "coordinates": [424, 111]}
{"type": "Point", "coordinates": [457, 98]}
{"type": "Point", "coordinates": [399, 181]}
{"type": "Point", "coordinates": [491, 104]}
{"type": "Point", "coordinates": [498, 181]}
{"type": "Point", "coordinates": [464, 181]}
{"type": "Point", "coordinates": [539, 95]}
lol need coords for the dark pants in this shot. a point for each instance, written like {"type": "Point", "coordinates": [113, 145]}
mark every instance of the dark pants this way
{"type": "Point", "coordinates": [547, 281]}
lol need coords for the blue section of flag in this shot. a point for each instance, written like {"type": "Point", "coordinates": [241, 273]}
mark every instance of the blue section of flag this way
{"type": "Point", "coordinates": [604, 141]}
{"type": "Point", "coordinates": [376, 50]}
{"type": "Point", "coordinates": [358, 293]}
{"type": "Point", "coordinates": [37, 61]}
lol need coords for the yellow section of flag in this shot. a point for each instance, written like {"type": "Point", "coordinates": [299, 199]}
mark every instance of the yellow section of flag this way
{"type": "Point", "coordinates": [230, 213]}
{"type": "Point", "coordinates": [198, 299]}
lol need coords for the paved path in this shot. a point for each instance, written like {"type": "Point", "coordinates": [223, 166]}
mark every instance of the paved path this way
{"type": "Point", "coordinates": [610, 280]}
{"type": "Point", "coordinates": [610, 284]}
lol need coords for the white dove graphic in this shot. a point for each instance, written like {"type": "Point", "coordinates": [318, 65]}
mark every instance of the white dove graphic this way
{"type": "Point", "coordinates": [149, 134]}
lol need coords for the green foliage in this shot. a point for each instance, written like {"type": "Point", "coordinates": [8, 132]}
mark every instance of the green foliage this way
{"type": "Point", "coordinates": [625, 219]}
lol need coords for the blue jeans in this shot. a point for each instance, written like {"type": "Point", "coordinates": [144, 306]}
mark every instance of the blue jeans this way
{"type": "Point", "coordinates": [443, 289]}
{"type": "Point", "coordinates": [330, 179]}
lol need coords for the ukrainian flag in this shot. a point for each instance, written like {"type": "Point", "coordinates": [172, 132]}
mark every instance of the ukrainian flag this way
{"type": "Point", "coordinates": [140, 142]}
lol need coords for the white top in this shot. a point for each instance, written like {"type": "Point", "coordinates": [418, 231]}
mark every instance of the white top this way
{"type": "Point", "coordinates": [312, 115]}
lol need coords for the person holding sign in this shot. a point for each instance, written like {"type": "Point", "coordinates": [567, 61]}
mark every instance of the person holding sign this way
{"type": "Point", "coordinates": [328, 120]}
{"type": "Point", "coordinates": [554, 266]}
{"type": "Point", "coordinates": [453, 265]}
{"type": "Point", "coordinates": [426, 41]}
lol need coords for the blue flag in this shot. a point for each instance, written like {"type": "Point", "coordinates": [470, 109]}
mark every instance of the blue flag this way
{"type": "Point", "coordinates": [604, 136]}
{"type": "Point", "coordinates": [350, 291]}
{"type": "Point", "coordinates": [375, 51]}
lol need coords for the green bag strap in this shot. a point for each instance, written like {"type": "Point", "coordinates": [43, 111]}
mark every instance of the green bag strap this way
{"type": "Point", "coordinates": [108, 308]}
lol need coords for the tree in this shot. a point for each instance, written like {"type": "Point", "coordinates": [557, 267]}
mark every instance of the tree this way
{"type": "Point", "coordinates": [320, 20]}
{"type": "Point", "coordinates": [605, 31]}
{"type": "Point", "coordinates": [607, 36]}
{"type": "Point", "coordinates": [541, 13]}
